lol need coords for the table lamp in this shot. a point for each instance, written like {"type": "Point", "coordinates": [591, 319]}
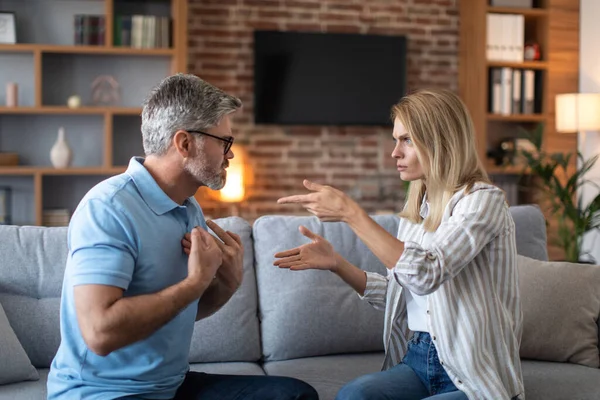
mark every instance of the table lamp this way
{"type": "Point", "coordinates": [234, 190]}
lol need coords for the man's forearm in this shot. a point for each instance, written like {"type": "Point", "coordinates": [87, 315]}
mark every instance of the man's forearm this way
{"type": "Point", "coordinates": [131, 319]}
{"type": "Point", "coordinates": [213, 298]}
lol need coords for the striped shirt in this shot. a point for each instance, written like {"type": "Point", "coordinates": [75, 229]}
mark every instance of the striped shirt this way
{"type": "Point", "coordinates": [468, 271]}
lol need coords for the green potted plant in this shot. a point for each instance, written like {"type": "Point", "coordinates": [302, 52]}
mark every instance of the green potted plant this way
{"type": "Point", "coordinates": [549, 172]}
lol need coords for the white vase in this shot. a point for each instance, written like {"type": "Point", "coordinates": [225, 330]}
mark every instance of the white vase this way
{"type": "Point", "coordinates": [61, 155]}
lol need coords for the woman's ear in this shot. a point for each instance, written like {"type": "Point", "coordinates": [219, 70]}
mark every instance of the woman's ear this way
{"type": "Point", "coordinates": [183, 143]}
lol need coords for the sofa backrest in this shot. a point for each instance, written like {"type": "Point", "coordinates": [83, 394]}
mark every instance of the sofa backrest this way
{"type": "Point", "coordinates": [233, 333]}
{"type": "Point", "coordinates": [304, 313]}
{"type": "Point", "coordinates": [530, 231]}
{"type": "Point", "coordinates": [32, 264]}
{"type": "Point", "coordinates": [313, 313]}
{"type": "Point", "coordinates": [309, 313]}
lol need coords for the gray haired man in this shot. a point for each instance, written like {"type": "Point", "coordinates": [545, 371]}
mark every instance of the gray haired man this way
{"type": "Point", "coordinates": [130, 294]}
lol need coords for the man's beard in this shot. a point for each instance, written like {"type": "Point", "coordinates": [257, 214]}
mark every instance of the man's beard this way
{"type": "Point", "coordinates": [205, 175]}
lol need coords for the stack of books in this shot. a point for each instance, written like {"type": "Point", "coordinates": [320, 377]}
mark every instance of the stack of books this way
{"type": "Point", "coordinates": [56, 217]}
{"type": "Point", "coordinates": [89, 30]}
{"type": "Point", "coordinates": [142, 31]}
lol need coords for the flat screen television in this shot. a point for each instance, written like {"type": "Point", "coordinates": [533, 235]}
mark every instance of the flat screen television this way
{"type": "Point", "coordinates": [326, 78]}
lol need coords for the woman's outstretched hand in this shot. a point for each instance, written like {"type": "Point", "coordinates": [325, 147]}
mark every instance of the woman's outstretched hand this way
{"type": "Point", "coordinates": [319, 254]}
{"type": "Point", "coordinates": [327, 203]}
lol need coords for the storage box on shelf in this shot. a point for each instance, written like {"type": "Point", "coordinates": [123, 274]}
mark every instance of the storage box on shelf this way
{"type": "Point", "coordinates": [70, 48]}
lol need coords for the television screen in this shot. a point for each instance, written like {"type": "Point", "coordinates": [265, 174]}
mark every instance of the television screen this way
{"type": "Point", "coordinates": [326, 78]}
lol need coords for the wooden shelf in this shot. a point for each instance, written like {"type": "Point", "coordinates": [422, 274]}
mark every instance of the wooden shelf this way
{"type": "Point", "coordinates": [517, 117]}
{"type": "Point", "coordinates": [527, 12]}
{"type": "Point", "coordinates": [104, 50]}
{"type": "Point", "coordinates": [32, 170]}
{"type": "Point", "coordinates": [493, 169]}
{"type": "Point", "coordinates": [75, 111]}
{"type": "Point", "coordinates": [538, 65]}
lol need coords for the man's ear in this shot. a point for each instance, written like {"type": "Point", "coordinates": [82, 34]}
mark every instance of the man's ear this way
{"type": "Point", "coordinates": [183, 143]}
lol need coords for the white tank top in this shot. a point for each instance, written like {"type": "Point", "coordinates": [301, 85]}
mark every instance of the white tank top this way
{"type": "Point", "coordinates": [416, 306]}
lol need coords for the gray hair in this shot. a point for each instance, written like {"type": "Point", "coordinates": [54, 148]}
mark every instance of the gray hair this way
{"type": "Point", "coordinates": [182, 102]}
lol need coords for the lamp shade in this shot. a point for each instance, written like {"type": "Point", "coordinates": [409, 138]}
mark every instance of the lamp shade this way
{"type": "Point", "coordinates": [234, 189]}
{"type": "Point", "coordinates": [576, 112]}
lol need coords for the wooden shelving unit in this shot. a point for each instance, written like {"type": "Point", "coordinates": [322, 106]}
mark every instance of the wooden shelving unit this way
{"type": "Point", "coordinates": [554, 25]}
{"type": "Point", "coordinates": [174, 57]}
{"type": "Point", "coordinates": [527, 12]}
{"type": "Point", "coordinates": [107, 50]}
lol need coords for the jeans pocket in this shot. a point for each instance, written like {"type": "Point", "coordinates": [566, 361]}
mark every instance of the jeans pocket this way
{"type": "Point", "coordinates": [414, 340]}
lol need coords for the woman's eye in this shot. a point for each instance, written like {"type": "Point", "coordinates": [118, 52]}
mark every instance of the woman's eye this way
{"type": "Point", "coordinates": [407, 141]}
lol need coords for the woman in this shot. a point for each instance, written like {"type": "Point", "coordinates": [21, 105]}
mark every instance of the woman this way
{"type": "Point", "coordinates": [453, 315]}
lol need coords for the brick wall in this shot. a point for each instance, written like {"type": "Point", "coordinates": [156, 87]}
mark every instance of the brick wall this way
{"type": "Point", "coordinates": [354, 159]}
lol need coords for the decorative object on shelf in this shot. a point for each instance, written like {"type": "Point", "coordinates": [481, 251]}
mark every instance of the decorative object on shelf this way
{"type": "Point", "coordinates": [550, 172]}
{"type": "Point", "coordinates": [9, 159]}
{"type": "Point", "coordinates": [74, 101]}
{"type": "Point", "coordinates": [532, 52]}
{"type": "Point", "coordinates": [12, 94]}
{"type": "Point", "coordinates": [5, 205]}
{"type": "Point", "coordinates": [8, 28]}
{"type": "Point", "coordinates": [508, 152]}
{"type": "Point", "coordinates": [61, 154]}
{"type": "Point", "coordinates": [504, 153]}
{"type": "Point", "coordinates": [106, 91]}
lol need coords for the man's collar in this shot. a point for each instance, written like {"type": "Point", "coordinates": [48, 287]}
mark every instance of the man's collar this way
{"type": "Point", "coordinates": [151, 193]}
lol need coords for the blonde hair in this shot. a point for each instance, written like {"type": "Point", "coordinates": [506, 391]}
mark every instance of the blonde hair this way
{"type": "Point", "coordinates": [442, 132]}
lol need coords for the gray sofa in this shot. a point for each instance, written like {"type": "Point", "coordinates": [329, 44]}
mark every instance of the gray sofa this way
{"type": "Point", "coordinates": [305, 324]}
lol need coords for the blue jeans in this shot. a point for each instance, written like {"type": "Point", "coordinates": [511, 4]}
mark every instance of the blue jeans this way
{"type": "Point", "coordinates": [418, 376]}
{"type": "Point", "coordinates": [198, 385]}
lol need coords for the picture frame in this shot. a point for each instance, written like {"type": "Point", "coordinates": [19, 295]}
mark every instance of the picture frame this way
{"type": "Point", "coordinates": [8, 28]}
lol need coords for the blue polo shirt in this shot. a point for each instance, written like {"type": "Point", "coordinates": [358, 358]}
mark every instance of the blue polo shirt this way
{"type": "Point", "coordinates": [126, 232]}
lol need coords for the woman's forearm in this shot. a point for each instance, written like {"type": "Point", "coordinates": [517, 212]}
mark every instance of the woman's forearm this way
{"type": "Point", "coordinates": [352, 275]}
{"type": "Point", "coordinates": [386, 247]}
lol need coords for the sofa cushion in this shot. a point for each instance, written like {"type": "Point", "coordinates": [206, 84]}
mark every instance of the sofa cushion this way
{"type": "Point", "coordinates": [32, 270]}
{"type": "Point", "coordinates": [530, 231]}
{"type": "Point", "coordinates": [14, 363]}
{"type": "Point", "coordinates": [561, 304]}
{"type": "Point", "coordinates": [551, 380]}
{"type": "Point", "coordinates": [26, 390]}
{"type": "Point", "coordinates": [29, 317]}
{"type": "Point", "coordinates": [228, 368]}
{"type": "Point", "coordinates": [312, 313]}
{"type": "Point", "coordinates": [327, 374]}
{"type": "Point", "coordinates": [232, 333]}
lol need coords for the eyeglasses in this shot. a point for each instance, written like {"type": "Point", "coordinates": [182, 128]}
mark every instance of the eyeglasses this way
{"type": "Point", "coordinates": [228, 140]}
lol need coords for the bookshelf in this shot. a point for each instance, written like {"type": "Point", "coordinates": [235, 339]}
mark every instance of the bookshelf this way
{"type": "Point", "coordinates": [554, 26]}
{"type": "Point", "coordinates": [49, 67]}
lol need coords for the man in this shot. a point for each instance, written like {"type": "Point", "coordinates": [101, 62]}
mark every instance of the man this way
{"type": "Point", "coordinates": [131, 294]}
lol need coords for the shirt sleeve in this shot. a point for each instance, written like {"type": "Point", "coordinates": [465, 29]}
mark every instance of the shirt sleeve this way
{"type": "Point", "coordinates": [476, 219]}
{"type": "Point", "coordinates": [102, 249]}
{"type": "Point", "coordinates": [376, 290]}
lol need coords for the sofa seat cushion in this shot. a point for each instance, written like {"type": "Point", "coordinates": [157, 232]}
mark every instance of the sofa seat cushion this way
{"type": "Point", "coordinates": [29, 390]}
{"type": "Point", "coordinates": [558, 381]}
{"type": "Point", "coordinates": [327, 374]}
{"type": "Point", "coordinates": [228, 368]}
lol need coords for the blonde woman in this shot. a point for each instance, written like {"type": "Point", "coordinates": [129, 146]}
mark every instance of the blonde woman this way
{"type": "Point", "coordinates": [452, 308]}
